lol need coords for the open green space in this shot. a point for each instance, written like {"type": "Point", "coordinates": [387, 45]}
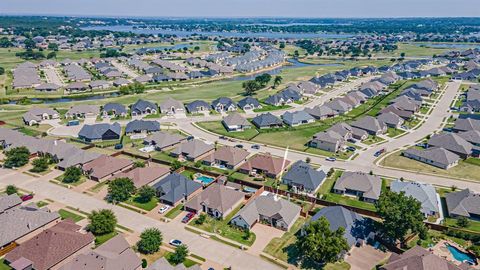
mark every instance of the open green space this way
{"type": "Point", "coordinates": [218, 128]}
{"type": "Point", "coordinates": [148, 206]}
{"type": "Point", "coordinates": [64, 214]}
{"type": "Point", "coordinates": [472, 225]}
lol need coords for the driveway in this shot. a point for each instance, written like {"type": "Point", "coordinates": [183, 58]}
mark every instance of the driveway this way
{"type": "Point", "coordinates": [264, 234]}
{"type": "Point", "coordinates": [366, 257]}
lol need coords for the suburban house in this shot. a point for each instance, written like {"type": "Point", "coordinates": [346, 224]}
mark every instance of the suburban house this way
{"type": "Point", "coordinates": [171, 106]}
{"type": "Point", "coordinates": [104, 167]}
{"type": "Point", "coordinates": [99, 84]}
{"type": "Point", "coordinates": [162, 140]}
{"type": "Point", "coordinates": [267, 120]}
{"type": "Point", "coordinates": [114, 110]}
{"type": "Point", "coordinates": [37, 253]}
{"type": "Point", "coordinates": [216, 200]}
{"type": "Point", "coordinates": [100, 132]}
{"type": "Point", "coordinates": [249, 103]}
{"type": "Point", "coordinates": [20, 221]}
{"type": "Point", "coordinates": [35, 116]}
{"type": "Point", "coordinates": [224, 104]}
{"type": "Point", "coordinates": [339, 106]}
{"type": "Point", "coordinates": [303, 178]}
{"type": "Point", "coordinates": [424, 193]}
{"type": "Point", "coordinates": [198, 106]}
{"type": "Point", "coordinates": [390, 119]}
{"type": "Point", "coordinates": [265, 164]}
{"type": "Point", "coordinates": [297, 118]}
{"type": "Point", "coordinates": [48, 87]}
{"type": "Point", "coordinates": [358, 229]}
{"type": "Point", "coordinates": [82, 111]}
{"type": "Point", "coordinates": [463, 203]}
{"type": "Point", "coordinates": [192, 150]}
{"type": "Point", "coordinates": [142, 126]}
{"type": "Point", "coordinates": [321, 112]}
{"type": "Point", "coordinates": [328, 140]}
{"type": "Point", "coordinates": [472, 136]}
{"type": "Point", "coordinates": [115, 254]}
{"type": "Point", "coordinates": [419, 258]}
{"type": "Point", "coordinates": [371, 125]}
{"type": "Point", "coordinates": [435, 156]}
{"type": "Point", "coordinates": [466, 124]}
{"type": "Point", "coordinates": [235, 122]}
{"type": "Point", "coordinates": [267, 208]}
{"type": "Point", "coordinates": [176, 188]}
{"type": "Point", "coordinates": [362, 185]}
{"type": "Point", "coordinates": [142, 107]}
{"type": "Point", "coordinates": [76, 87]}
{"type": "Point", "coordinates": [143, 176]}
{"type": "Point", "coordinates": [453, 143]}
{"type": "Point", "coordinates": [227, 157]}
{"type": "Point", "coordinates": [308, 88]}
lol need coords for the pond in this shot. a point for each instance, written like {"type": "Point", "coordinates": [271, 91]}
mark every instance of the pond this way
{"type": "Point", "coordinates": [68, 99]}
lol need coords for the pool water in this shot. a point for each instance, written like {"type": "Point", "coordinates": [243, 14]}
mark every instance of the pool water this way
{"type": "Point", "coordinates": [205, 179]}
{"type": "Point", "coordinates": [461, 256]}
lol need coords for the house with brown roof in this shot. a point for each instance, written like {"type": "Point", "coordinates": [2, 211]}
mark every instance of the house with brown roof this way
{"type": "Point", "coordinates": [104, 167]}
{"type": "Point", "coordinates": [364, 186]}
{"type": "Point", "coordinates": [192, 150]}
{"type": "Point", "coordinates": [265, 164]}
{"type": "Point", "coordinates": [162, 140]}
{"type": "Point", "coordinates": [226, 157]}
{"type": "Point", "coordinates": [143, 176]}
{"type": "Point", "coordinates": [115, 254]}
{"type": "Point", "coordinates": [418, 258]}
{"type": "Point", "coordinates": [50, 247]}
{"type": "Point", "coordinates": [217, 200]}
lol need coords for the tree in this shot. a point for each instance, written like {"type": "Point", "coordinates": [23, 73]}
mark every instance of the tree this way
{"type": "Point", "coordinates": [120, 189]}
{"type": "Point", "coordinates": [40, 164]}
{"type": "Point", "coordinates": [29, 43]}
{"type": "Point", "coordinates": [2, 70]}
{"type": "Point", "coordinates": [51, 55]}
{"type": "Point", "coordinates": [139, 164]}
{"type": "Point", "coordinates": [150, 241]}
{"type": "Point", "coordinates": [17, 157]}
{"type": "Point", "coordinates": [277, 81]}
{"type": "Point", "coordinates": [263, 80]}
{"type": "Point", "coordinates": [11, 189]}
{"type": "Point", "coordinates": [250, 87]}
{"type": "Point", "coordinates": [180, 254]}
{"type": "Point", "coordinates": [102, 222]}
{"type": "Point", "coordinates": [72, 175]}
{"type": "Point", "coordinates": [146, 193]}
{"type": "Point", "coordinates": [175, 165]}
{"type": "Point", "coordinates": [401, 215]}
{"type": "Point", "coordinates": [53, 46]}
{"type": "Point", "coordinates": [201, 219]}
{"type": "Point", "coordinates": [463, 222]}
{"type": "Point", "coordinates": [319, 245]}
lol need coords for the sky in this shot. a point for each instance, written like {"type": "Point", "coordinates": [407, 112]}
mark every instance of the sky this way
{"type": "Point", "coordinates": [246, 8]}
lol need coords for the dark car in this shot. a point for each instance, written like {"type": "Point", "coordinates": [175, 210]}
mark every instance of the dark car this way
{"type": "Point", "coordinates": [256, 146]}
{"type": "Point", "coordinates": [379, 152]}
{"type": "Point", "coordinates": [222, 138]}
{"type": "Point", "coordinates": [351, 148]}
{"type": "Point", "coordinates": [239, 146]}
{"type": "Point", "coordinates": [26, 197]}
{"type": "Point", "coordinates": [118, 146]}
{"type": "Point", "coordinates": [188, 217]}
{"type": "Point", "coordinates": [189, 138]}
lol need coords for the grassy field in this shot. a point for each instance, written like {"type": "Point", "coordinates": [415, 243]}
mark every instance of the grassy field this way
{"type": "Point", "coordinates": [464, 169]}
{"type": "Point", "coordinates": [64, 214]}
{"type": "Point", "coordinates": [145, 206]}
{"type": "Point", "coordinates": [473, 225]}
{"type": "Point", "coordinates": [218, 128]}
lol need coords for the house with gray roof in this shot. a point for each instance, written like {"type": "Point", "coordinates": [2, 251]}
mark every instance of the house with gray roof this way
{"type": "Point", "coordinates": [270, 209]}
{"type": "Point", "coordinates": [341, 107]}
{"type": "Point", "coordinates": [463, 203]}
{"type": "Point", "coordinates": [390, 119]}
{"type": "Point", "coordinates": [267, 120]}
{"type": "Point", "coordinates": [365, 186]}
{"type": "Point", "coordinates": [308, 88]}
{"type": "Point", "coordinates": [472, 136]}
{"type": "Point", "coordinates": [120, 81]}
{"type": "Point", "coordinates": [249, 103]}
{"type": "Point", "coordinates": [228, 157]}
{"type": "Point", "coordinates": [297, 118]}
{"type": "Point", "coordinates": [171, 106]}
{"type": "Point", "coordinates": [176, 188]}
{"type": "Point", "coordinates": [192, 150]}
{"type": "Point", "coordinates": [162, 140]}
{"type": "Point", "coordinates": [224, 104]}
{"type": "Point", "coordinates": [114, 110]}
{"type": "Point", "coordinates": [142, 126]}
{"type": "Point", "coordinates": [216, 200]}
{"type": "Point", "coordinates": [235, 122]}
{"type": "Point", "coordinates": [329, 140]}
{"type": "Point", "coordinates": [466, 124]}
{"type": "Point", "coordinates": [197, 106]}
{"type": "Point", "coordinates": [99, 84]}
{"type": "Point", "coordinates": [435, 156]}
{"type": "Point", "coordinates": [48, 87]}
{"type": "Point", "coordinates": [143, 107]}
{"type": "Point", "coordinates": [321, 112]}
{"type": "Point", "coordinates": [303, 177]}
{"type": "Point", "coordinates": [371, 125]}
{"type": "Point", "coordinates": [100, 132]}
{"type": "Point", "coordinates": [9, 201]}
{"type": "Point", "coordinates": [358, 229]}
{"type": "Point", "coordinates": [424, 193]}
{"type": "Point", "coordinates": [76, 87]}
{"type": "Point", "coordinates": [277, 100]}
{"type": "Point", "coordinates": [82, 111]}
{"type": "Point", "coordinates": [453, 143]}
{"type": "Point", "coordinates": [35, 116]}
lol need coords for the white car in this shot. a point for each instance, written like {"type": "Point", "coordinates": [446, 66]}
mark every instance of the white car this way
{"type": "Point", "coordinates": [163, 209]}
{"type": "Point", "coordinates": [175, 242]}
{"type": "Point", "coordinates": [330, 159]}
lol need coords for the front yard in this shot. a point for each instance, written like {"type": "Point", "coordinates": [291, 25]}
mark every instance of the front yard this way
{"type": "Point", "coordinates": [218, 128]}
{"type": "Point", "coordinates": [147, 206]}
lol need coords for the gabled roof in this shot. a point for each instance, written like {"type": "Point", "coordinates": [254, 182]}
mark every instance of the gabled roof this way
{"type": "Point", "coordinates": [9, 201]}
{"type": "Point", "coordinates": [217, 197]}
{"type": "Point", "coordinates": [424, 193]}
{"type": "Point", "coordinates": [164, 139]}
{"type": "Point", "coordinates": [115, 107]}
{"type": "Point", "coordinates": [195, 105]}
{"type": "Point", "coordinates": [175, 186]}
{"type": "Point", "coordinates": [265, 162]}
{"type": "Point", "coordinates": [193, 148]}
{"type": "Point", "coordinates": [472, 136]}
{"type": "Point", "coordinates": [143, 176]}
{"type": "Point", "coordinates": [463, 203]}
{"type": "Point", "coordinates": [418, 258]}
{"type": "Point", "coordinates": [368, 123]}
{"type": "Point", "coordinates": [266, 119]}
{"type": "Point", "coordinates": [170, 103]}
{"type": "Point", "coordinates": [231, 155]}
{"type": "Point", "coordinates": [235, 119]}
{"type": "Point", "coordinates": [389, 118]}
{"type": "Point", "coordinates": [296, 117]}
{"type": "Point", "coordinates": [141, 105]}
{"type": "Point", "coordinates": [96, 131]}
{"type": "Point", "coordinates": [142, 125]}
{"type": "Point", "coordinates": [301, 173]}
{"type": "Point", "coordinates": [466, 124]}
{"type": "Point", "coordinates": [105, 165]}
{"type": "Point", "coordinates": [248, 101]}
{"type": "Point", "coordinates": [451, 142]}
{"type": "Point", "coordinates": [321, 111]}
{"type": "Point", "coordinates": [370, 185]}
{"type": "Point", "coordinates": [225, 101]}
{"type": "Point", "coordinates": [436, 154]}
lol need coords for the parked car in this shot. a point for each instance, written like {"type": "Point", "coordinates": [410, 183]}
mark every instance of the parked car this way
{"type": "Point", "coordinates": [175, 242]}
{"type": "Point", "coordinates": [256, 146]}
{"type": "Point", "coordinates": [222, 137]}
{"type": "Point", "coordinates": [26, 197]}
{"type": "Point", "coordinates": [73, 123]}
{"type": "Point", "coordinates": [351, 148]}
{"type": "Point", "coordinates": [351, 140]}
{"type": "Point", "coordinates": [163, 209]}
{"type": "Point", "coordinates": [188, 217]}
{"type": "Point", "coordinates": [189, 138]}
{"type": "Point", "coordinates": [118, 146]}
{"type": "Point", "coordinates": [379, 152]}
{"type": "Point", "coordinates": [239, 146]}
{"type": "Point", "coordinates": [330, 159]}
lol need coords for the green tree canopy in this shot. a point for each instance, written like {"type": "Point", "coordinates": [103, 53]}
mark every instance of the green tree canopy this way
{"type": "Point", "coordinates": [72, 175]}
{"type": "Point", "coordinates": [277, 81]}
{"type": "Point", "coordinates": [120, 189]}
{"type": "Point", "coordinates": [17, 157]}
{"type": "Point", "coordinates": [180, 254]}
{"type": "Point", "coordinates": [150, 241]}
{"type": "Point", "coordinates": [251, 87]}
{"type": "Point", "coordinates": [102, 222]}
{"type": "Point", "coordinates": [319, 245]}
{"type": "Point", "coordinates": [40, 164]}
{"type": "Point", "coordinates": [401, 215]}
{"type": "Point", "coordinates": [11, 189]}
{"type": "Point", "coordinates": [146, 193]}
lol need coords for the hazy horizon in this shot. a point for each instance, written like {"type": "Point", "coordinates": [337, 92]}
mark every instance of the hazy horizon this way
{"type": "Point", "coordinates": [244, 8]}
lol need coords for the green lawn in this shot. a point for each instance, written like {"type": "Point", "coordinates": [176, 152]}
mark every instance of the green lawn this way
{"type": "Point", "coordinates": [3, 266]}
{"type": "Point", "coordinates": [348, 200]}
{"type": "Point", "coordinates": [41, 204]}
{"type": "Point", "coordinates": [64, 214]}
{"type": "Point", "coordinates": [464, 169]}
{"type": "Point", "coordinates": [393, 132]}
{"type": "Point", "coordinates": [163, 156]}
{"type": "Point", "coordinates": [267, 107]}
{"type": "Point", "coordinates": [100, 239]}
{"type": "Point", "coordinates": [174, 212]}
{"type": "Point", "coordinates": [473, 225]}
{"type": "Point", "coordinates": [338, 155]}
{"type": "Point", "coordinates": [328, 183]}
{"type": "Point", "coordinates": [282, 247]}
{"type": "Point", "coordinates": [145, 206]}
{"type": "Point", "coordinates": [218, 128]}
{"type": "Point", "coordinates": [372, 139]}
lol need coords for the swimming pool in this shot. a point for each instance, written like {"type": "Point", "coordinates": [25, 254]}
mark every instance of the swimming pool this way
{"type": "Point", "coordinates": [461, 256]}
{"type": "Point", "coordinates": [205, 179]}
